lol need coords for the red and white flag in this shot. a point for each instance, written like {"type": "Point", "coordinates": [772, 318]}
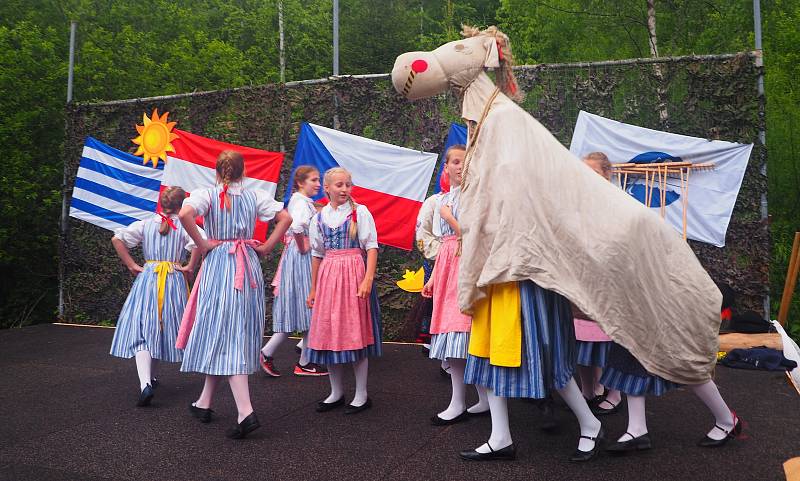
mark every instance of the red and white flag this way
{"type": "Point", "coordinates": [193, 166]}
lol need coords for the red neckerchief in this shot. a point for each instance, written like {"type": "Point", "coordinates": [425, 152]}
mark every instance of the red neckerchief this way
{"type": "Point", "coordinates": [168, 220]}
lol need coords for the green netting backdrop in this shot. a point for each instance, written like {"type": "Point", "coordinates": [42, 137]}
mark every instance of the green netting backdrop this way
{"type": "Point", "coordinates": [711, 97]}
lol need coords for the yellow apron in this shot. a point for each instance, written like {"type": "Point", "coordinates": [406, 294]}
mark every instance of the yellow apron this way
{"type": "Point", "coordinates": [497, 326]}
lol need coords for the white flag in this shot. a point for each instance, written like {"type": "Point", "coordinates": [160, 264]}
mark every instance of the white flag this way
{"type": "Point", "coordinates": [711, 193]}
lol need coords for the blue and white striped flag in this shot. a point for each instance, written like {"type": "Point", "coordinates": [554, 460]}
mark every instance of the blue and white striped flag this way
{"type": "Point", "coordinates": [113, 188]}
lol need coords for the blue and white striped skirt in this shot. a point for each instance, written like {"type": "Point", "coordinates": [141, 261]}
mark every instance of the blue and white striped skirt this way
{"type": "Point", "coordinates": [344, 357]}
{"type": "Point", "coordinates": [647, 385]}
{"type": "Point", "coordinates": [592, 353]}
{"type": "Point", "coordinates": [229, 327]}
{"type": "Point", "coordinates": [548, 349]}
{"type": "Point", "coordinates": [138, 328]}
{"type": "Point", "coordinates": [289, 310]}
{"type": "Point", "coordinates": [449, 345]}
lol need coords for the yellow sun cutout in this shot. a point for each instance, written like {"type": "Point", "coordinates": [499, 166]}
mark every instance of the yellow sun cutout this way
{"type": "Point", "coordinates": [154, 138]}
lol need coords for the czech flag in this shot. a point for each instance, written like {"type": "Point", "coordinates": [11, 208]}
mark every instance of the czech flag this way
{"type": "Point", "coordinates": [193, 166]}
{"type": "Point", "coordinates": [391, 181]}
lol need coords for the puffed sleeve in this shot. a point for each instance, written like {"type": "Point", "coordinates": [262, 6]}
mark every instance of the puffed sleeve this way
{"type": "Point", "coordinates": [189, 242]}
{"type": "Point", "coordinates": [266, 206]}
{"type": "Point", "coordinates": [427, 240]}
{"type": "Point", "coordinates": [132, 235]}
{"type": "Point", "coordinates": [367, 235]}
{"type": "Point", "coordinates": [315, 238]}
{"type": "Point", "coordinates": [425, 212]}
{"type": "Point", "coordinates": [301, 214]}
{"type": "Point", "coordinates": [200, 199]}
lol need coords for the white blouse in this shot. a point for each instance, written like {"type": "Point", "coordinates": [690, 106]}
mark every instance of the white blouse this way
{"type": "Point", "coordinates": [133, 234]}
{"type": "Point", "coordinates": [266, 206]}
{"type": "Point", "coordinates": [302, 209]}
{"type": "Point", "coordinates": [365, 227]}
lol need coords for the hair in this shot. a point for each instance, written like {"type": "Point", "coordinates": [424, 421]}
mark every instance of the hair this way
{"type": "Point", "coordinates": [327, 180]}
{"type": "Point", "coordinates": [605, 164]}
{"type": "Point", "coordinates": [504, 76]}
{"type": "Point", "coordinates": [230, 168]}
{"type": "Point", "coordinates": [301, 174]}
{"type": "Point", "coordinates": [461, 147]}
{"type": "Point", "coordinates": [171, 200]}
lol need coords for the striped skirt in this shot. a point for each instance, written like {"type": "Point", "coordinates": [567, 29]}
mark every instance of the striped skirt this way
{"type": "Point", "coordinates": [289, 310]}
{"type": "Point", "coordinates": [343, 357]}
{"type": "Point", "coordinates": [228, 330]}
{"type": "Point", "coordinates": [449, 345]}
{"type": "Point", "coordinates": [138, 326]}
{"type": "Point", "coordinates": [625, 374]}
{"type": "Point", "coordinates": [548, 349]}
{"type": "Point", "coordinates": [592, 353]}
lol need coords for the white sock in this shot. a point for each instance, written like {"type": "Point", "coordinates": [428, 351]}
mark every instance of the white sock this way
{"type": "Point", "coordinates": [709, 394]}
{"type": "Point", "coordinates": [361, 371]}
{"type": "Point", "coordinates": [590, 425]}
{"type": "Point", "coordinates": [272, 345]}
{"type": "Point", "coordinates": [501, 433]}
{"type": "Point", "coordinates": [241, 395]}
{"type": "Point", "coordinates": [483, 401]}
{"type": "Point", "coordinates": [335, 376]}
{"type": "Point", "coordinates": [302, 342]}
{"type": "Point", "coordinates": [143, 365]}
{"type": "Point", "coordinates": [637, 418]}
{"type": "Point", "coordinates": [303, 351]}
{"type": "Point", "coordinates": [458, 399]}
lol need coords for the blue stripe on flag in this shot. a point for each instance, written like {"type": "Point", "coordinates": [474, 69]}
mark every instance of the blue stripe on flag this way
{"type": "Point", "coordinates": [456, 135]}
{"type": "Point", "coordinates": [116, 195]}
{"type": "Point", "coordinates": [121, 219]}
{"type": "Point", "coordinates": [309, 151]}
{"type": "Point", "coordinates": [121, 175]}
{"type": "Point", "coordinates": [97, 145]}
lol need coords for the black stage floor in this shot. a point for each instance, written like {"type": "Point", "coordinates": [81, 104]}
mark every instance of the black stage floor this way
{"type": "Point", "coordinates": [67, 411]}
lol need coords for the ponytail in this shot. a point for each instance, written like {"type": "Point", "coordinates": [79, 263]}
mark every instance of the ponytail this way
{"type": "Point", "coordinates": [230, 168]}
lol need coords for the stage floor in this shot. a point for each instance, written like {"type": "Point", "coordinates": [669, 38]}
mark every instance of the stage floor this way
{"type": "Point", "coordinates": [68, 413]}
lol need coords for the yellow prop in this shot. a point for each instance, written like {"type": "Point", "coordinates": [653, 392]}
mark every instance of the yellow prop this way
{"type": "Point", "coordinates": [412, 281]}
{"type": "Point", "coordinates": [154, 138]}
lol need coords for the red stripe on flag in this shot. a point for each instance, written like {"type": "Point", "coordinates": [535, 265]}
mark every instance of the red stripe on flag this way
{"type": "Point", "coordinates": [395, 217]}
{"type": "Point", "coordinates": [259, 164]}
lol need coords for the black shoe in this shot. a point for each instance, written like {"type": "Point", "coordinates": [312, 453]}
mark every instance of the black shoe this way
{"type": "Point", "coordinates": [350, 409]}
{"type": "Point", "coordinates": [638, 443]}
{"type": "Point", "coordinates": [601, 411]}
{"type": "Point", "coordinates": [437, 421]}
{"type": "Point", "coordinates": [203, 414]}
{"type": "Point", "coordinates": [581, 456]}
{"type": "Point", "coordinates": [707, 442]}
{"type": "Point", "coordinates": [323, 407]}
{"type": "Point", "coordinates": [508, 453]}
{"type": "Point", "coordinates": [145, 396]}
{"type": "Point", "coordinates": [247, 426]}
{"type": "Point", "coordinates": [481, 414]}
{"type": "Point", "coordinates": [595, 400]}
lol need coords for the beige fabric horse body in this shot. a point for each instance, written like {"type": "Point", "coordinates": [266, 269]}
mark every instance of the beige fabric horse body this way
{"type": "Point", "coordinates": [531, 210]}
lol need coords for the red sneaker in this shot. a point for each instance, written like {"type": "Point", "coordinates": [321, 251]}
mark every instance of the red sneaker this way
{"type": "Point", "coordinates": [268, 366]}
{"type": "Point", "coordinates": [310, 369]}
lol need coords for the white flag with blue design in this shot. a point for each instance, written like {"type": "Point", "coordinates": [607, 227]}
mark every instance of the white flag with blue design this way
{"type": "Point", "coordinates": [711, 193]}
{"type": "Point", "coordinates": [113, 188]}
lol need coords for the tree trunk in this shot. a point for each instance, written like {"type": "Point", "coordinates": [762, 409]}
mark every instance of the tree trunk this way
{"type": "Point", "coordinates": [663, 114]}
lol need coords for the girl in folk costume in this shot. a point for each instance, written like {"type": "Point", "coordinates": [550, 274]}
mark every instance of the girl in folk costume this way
{"type": "Point", "coordinates": [449, 327]}
{"type": "Point", "coordinates": [148, 324]}
{"type": "Point", "coordinates": [592, 343]}
{"type": "Point", "coordinates": [345, 321]}
{"type": "Point", "coordinates": [290, 313]}
{"type": "Point", "coordinates": [229, 292]}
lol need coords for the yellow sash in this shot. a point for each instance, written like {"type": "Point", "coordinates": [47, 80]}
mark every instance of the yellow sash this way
{"type": "Point", "coordinates": [497, 326]}
{"type": "Point", "coordinates": [161, 269]}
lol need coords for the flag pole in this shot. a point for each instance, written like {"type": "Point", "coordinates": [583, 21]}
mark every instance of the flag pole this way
{"type": "Point", "coordinates": [73, 26]}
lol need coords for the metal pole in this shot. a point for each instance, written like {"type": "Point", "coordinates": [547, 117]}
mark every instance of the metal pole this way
{"type": "Point", "coordinates": [335, 37]}
{"type": "Point", "coordinates": [280, 44]}
{"type": "Point", "coordinates": [73, 26]}
{"type": "Point", "coordinates": [762, 134]}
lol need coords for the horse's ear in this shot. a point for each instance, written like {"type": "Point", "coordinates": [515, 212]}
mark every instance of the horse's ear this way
{"type": "Point", "coordinates": [492, 59]}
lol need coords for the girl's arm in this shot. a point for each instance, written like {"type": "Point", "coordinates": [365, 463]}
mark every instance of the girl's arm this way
{"type": "Point", "coordinates": [187, 216]}
{"type": "Point", "coordinates": [125, 256]}
{"type": "Point", "coordinates": [315, 261]}
{"type": "Point", "coordinates": [282, 222]}
{"type": "Point", "coordinates": [447, 215]}
{"type": "Point", "coordinates": [365, 287]}
{"type": "Point", "coordinates": [302, 243]}
{"type": "Point", "coordinates": [188, 269]}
